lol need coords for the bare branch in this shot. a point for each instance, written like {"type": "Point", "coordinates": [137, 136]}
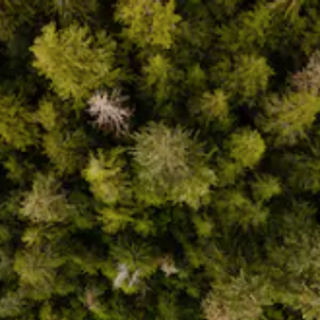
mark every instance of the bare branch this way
{"type": "Point", "coordinates": [109, 113]}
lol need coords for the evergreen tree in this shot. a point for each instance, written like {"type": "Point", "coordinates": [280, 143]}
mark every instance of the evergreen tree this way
{"type": "Point", "coordinates": [286, 120]}
{"type": "Point", "coordinates": [44, 203]}
{"type": "Point", "coordinates": [170, 165]}
{"type": "Point", "coordinates": [243, 150]}
{"type": "Point", "coordinates": [74, 60]}
{"type": "Point", "coordinates": [149, 22]}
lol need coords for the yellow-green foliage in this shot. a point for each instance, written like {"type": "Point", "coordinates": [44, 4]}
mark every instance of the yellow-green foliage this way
{"type": "Point", "coordinates": [149, 22]}
{"type": "Point", "coordinates": [74, 60]}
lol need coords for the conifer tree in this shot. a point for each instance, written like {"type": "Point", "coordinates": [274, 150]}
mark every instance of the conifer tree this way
{"type": "Point", "coordinates": [243, 150]}
{"type": "Point", "coordinates": [286, 120]}
{"type": "Point", "coordinates": [170, 165]}
{"type": "Point", "coordinates": [241, 298]}
{"type": "Point", "coordinates": [76, 61]}
{"type": "Point", "coordinates": [15, 114]}
{"type": "Point", "coordinates": [72, 9]}
{"type": "Point", "coordinates": [149, 22]}
{"type": "Point", "coordinates": [45, 203]}
{"type": "Point", "coordinates": [245, 79]}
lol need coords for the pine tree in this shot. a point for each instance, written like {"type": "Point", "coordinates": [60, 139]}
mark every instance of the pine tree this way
{"type": "Point", "coordinates": [248, 32]}
{"type": "Point", "coordinates": [244, 79]}
{"type": "Point", "coordinates": [74, 60]}
{"type": "Point", "coordinates": [105, 175]}
{"type": "Point", "coordinates": [37, 268]}
{"type": "Point", "coordinates": [240, 298]}
{"type": "Point", "coordinates": [212, 108]}
{"type": "Point", "coordinates": [149, 22]}
{"type": "Point", "coordinates": [66, 150]}
{"type": "Point", "coordinates": [15, 114]}
{"type": "Point", "coordinates": [132, 262]}
{"type": "Point", "coordinates": [170, 165]}
{"type": "Point", "coordinates": [45, 203]}
{"type": "Point", "coordinates": [286, 120]}
{"type": "Point", "coordinates": [72, 9]}
{"type": "Point", "coordinates": [243, 150]}
{"type": "Point", "coordinates": [159, 79]}
{"type": "Point", "coordinates": [265, 187]}
{"type": "Point", "coordinates": [237, 209]}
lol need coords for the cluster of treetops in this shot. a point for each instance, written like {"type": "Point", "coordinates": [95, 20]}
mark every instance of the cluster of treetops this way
{"type": "Point", "coordinates": [159, 159]}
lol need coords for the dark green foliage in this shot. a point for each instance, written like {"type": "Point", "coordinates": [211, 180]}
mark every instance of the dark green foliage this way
{"type": "Point", "coordinates": [159, 160]}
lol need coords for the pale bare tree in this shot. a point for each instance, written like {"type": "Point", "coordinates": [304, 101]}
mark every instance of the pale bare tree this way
{"type": "Point", "coordinates": [167, 265]}
{"type": "Point", "coordinates": [109, 112]}
{"type": "Point", "coordinates": [123, 275]}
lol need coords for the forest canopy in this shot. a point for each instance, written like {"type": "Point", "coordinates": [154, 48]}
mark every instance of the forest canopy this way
{"type": "Point", "coordinates": [160, 160]}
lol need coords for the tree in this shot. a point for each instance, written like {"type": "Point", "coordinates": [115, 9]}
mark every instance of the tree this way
{"type": "Point", "coordinates": [14, 114]}
{"type": "Point", "coordinates": [247, 32]}
{"type": "Point", "coordinates": [240, 298]}
{"type": "Point", "coordinates": [12, 305]}
{"type": "Point", "coordinates": [286, 120]}
{"type": "Point", "coordinates": [291, 8]}
{"type": "Point", "coordinates": [107, 181]}
{"type": "Point", "coordinates": [66, 150]}
{"type": "Point", "coordinates": [109, 112]}
{"type": "Point", "coordinates": [111, 187]}
{"type": "Point", "coordinates": [236, 209]}
{"type": "Point", "coordinates": [212, 107]}
{"type": "Point", "coordinates": [37, 268]}
{"type": "Point", "coordinates": [244, 80]}
{"type": "Point", "coordinates": [72, 9]}
{"type": "Point", "coordinates": [14, 15]}
{"type": "Point", "coordinates": [74, 60]}
{"type": "Point", "coordinates": [159, 77]}
{"type": "Point", "coordinates": [132, 262]}
{"type": "Point", "coordinates": [265, 187]}
{"type": "Point", "coordinates": [293, 259]}
{"type": "Point", "coordinates": [170, 165]}
{"type": "Point", "coordinates": [308, 80]}
{"type": "Point", "coordinates": [45, 203]}
{"type": "Point", "coordinates": [149, 22]}
{"type": "Point", "coordinates": [243, 150]}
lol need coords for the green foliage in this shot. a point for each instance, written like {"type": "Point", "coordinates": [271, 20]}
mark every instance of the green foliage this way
{"type": "Point", "coordinates": [149, 22]}
{"type": "Point", "coordinates": [200, 200]}
{"type": "Point", "coordinates": [243, 150]}
{"type": "Point", "coordinates": [265, 187]}
{"type": "Point", "coordinates": [158, 79]}
{"type": "Point", "coordinates": [105, 176]}
{"type": "Point", "coordinates": [247, 78]}
{"type": "Point", "coordinates": [37, 268]}
{"type": "Point", "coordinates": [286, 120]}
{"type": "Point", "coordinates": [45, 203]}
{"type": "Point", "coordinates": [235, 208]}
{"type": "Point", "coordinates": [66, 150]}
{"type": "Point", "coordinates": [69, 9]}
{"type": "Point", "coordinates": [212, 107]}
{"type": "Point", "coordinates": [74, 60]}
{"type": "Point", "coordinates": [14, 15]}
{"type": "Point", "coordinates": [131, 264]}
{"type": "Point", "coordinates": [248, 32]}
{"type": "Point", "coordinates": [290, 8]}
{"type": "Point", "coordinates": [14, 114]}
{"type": "Point", "coordinates": [170, 165]}
{"type": "Point", "coordinates": [11, 305]}
{"type": "Point", "coordinates": [305, 175]}
{"type": "Point", "coordinates": [241, 298]}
